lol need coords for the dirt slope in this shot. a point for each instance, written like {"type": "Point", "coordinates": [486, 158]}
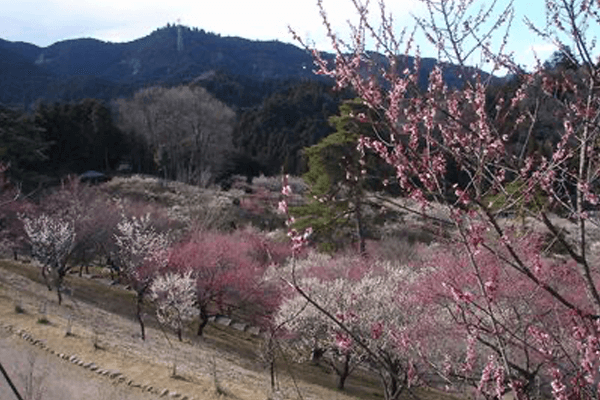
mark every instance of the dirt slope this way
{"type": "Point", "coordinates": [124, 366]}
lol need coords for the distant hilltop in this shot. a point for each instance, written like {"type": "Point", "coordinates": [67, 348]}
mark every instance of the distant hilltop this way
{"type": "Point", "coordinates": [172, 55]}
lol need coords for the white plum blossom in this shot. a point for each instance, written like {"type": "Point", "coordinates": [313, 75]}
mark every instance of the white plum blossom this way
{"type": "Point", "coordinates": [365, 297]}
{"type": "Point", "coordinates": [175, 298]}
{"type": "Point", "coordinates": [51, 241]}
{"type": "Point", "coordinates": [364, 305]}
{"type": "Point", "coordinates": [139, 243]}
{"type": "Point", "coordinates": [142, 252]}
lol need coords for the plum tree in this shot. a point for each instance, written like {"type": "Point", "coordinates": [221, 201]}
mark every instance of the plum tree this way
{"type": "Point", "coordinates": [143, 252]}
{"type": "Point", "coordinates": [175, 297]}
{"type": "Point", "coordinates": [363, 296]}
{"type": "Point", "coordinates": [423, 133]}
{"type": "Point", "coordinates": [51, 242]}
{"type": "Point", "coordinates": [228, 273]}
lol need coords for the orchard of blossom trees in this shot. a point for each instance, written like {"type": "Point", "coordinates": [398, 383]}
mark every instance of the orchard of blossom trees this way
{"type": "Point", "coordinates": [181, 265]}
{"type": "Point", "coordinates": [504, 301]}
{"type": "Point", "coordinates": [499, 305]}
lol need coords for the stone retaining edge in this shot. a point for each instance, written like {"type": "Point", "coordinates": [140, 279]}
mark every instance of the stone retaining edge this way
{"type": "Point", "coordinates": [114, 375]}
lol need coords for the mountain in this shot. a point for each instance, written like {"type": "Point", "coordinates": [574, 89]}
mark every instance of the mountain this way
{"type": "Point", "coordinates": [238, 71]}
{"type": "Point", "coordinates": [73, 69]}
{"type": "Point", "coordinates": [20, 79]}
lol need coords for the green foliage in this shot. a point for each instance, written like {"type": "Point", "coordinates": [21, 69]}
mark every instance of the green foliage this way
{"type": "Point", "coordinates": [275, 133]}
{"type": "Point", "coordinates": [325, 159]}
{"type": "Point", "coordinates": [330, 224]}
{"type": "Point", "coordinates": [336, 184]}
{"type": "Point", "coordinates": [22, 144]}
{"type": "Point", "coordinates": [82, 136]}
{"type": "Point", "coordinates": [59, 139]}
{"type": "Point", "coordinates": [512, 200]}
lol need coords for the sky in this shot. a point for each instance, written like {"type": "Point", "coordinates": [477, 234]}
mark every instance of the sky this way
{"type": "Point", "coordinates": [44, 22]}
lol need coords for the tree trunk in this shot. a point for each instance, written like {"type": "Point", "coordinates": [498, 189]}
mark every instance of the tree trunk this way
{"type": "Point", "coordinates": [45, 276]}
{"type": "Point", "coordinates": [360, 230]}
{"type": "Point", "coordinates": [58, 282]}
{"type": "Point", "coordinates": [272, 370]}
{"type": "Point", "coordinates": [138, 313]}
{"type": "Point", "coordinates": [343, 372]}
{"type": "Point", "coordinates": [203, 321]}
{"type": "Point", "coordinates": [360, 223]}
{"type": "Point", "coordinates": [316, 354]}
{"type": "Point", "coordinates": [393, 383]}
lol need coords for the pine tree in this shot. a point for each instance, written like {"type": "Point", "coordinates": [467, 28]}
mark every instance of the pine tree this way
{"type": "Point", "coordinates": [337, 184]}
{"type": "Point", "coordinates": [22, 146]}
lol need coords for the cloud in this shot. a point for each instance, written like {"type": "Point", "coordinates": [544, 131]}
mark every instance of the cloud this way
{"type": "Point", "coordinates": [527, 55]}
{"type": "Point", "coordinates": [543, 48]}
{"type": "Point", "coordinates": [48, 21]}
{"type": "Point", "coordinates": [308, 23]}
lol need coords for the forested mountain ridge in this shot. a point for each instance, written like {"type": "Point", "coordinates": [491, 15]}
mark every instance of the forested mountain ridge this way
{"type": "Point", "coordinates": [83, 104]}
{"type": "Point", "coordinates": [75, 69]}
{"type": "Point", "coordinates": [238, 71]}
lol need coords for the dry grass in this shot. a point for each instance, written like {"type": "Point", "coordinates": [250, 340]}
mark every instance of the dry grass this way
{"type": "Point", "coordinates": [103, 331]}
{"type": "Point", "coordinates": [202, 208]}
{"type": "Point", "coordinates": [274, 184]}
{"type": "Point", "coordinates": [191, 205]}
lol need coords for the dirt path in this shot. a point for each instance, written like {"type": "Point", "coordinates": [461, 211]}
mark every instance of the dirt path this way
{"type": "Point", "coordinates": [103, 357]}
{"type": "Point", "coordinates": [38, 375]}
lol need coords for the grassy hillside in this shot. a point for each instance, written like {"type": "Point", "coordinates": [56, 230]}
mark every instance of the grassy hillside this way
{"type": "Point", "coordinates": [104, 332]}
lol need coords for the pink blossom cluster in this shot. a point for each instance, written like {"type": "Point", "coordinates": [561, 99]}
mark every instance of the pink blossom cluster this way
{"type": "Point", "coordinates": [495, 277]}
{"type": "Point", "coordinates": [299, 240]}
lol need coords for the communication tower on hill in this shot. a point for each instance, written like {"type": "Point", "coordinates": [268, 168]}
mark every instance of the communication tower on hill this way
{"type": "Point", "coordinates": [179, 36]}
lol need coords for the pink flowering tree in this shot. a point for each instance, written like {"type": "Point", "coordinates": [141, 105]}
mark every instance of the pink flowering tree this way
{"type": "Point", "coordinates": [143, 253]}
{"type": "Point", "coordinates": [228, 271]}
{"type": "Point", "coordinates": [51, 244]}
{"type": "Point", "coordinates": [463, 324]}
{"type": "Point", "coordinates": [475, 155]}
{"type": "Point", "coordinates": [175, 298]}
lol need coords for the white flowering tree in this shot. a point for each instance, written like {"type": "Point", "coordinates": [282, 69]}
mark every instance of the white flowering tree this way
{"type": "Point", "coordinates": [314, 334]}
{"type": "Point", "coordinates": [369, 321]}
{"type": "Point", "coordinates": [143, 252]}
{"type": "Point", "coordinates": [51, 244]}
{"type": "Point", "coordinates": [175, 296]}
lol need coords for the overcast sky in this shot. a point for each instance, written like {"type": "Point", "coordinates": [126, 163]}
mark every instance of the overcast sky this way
{"type": "Point", "coordinates": [44, 22]}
